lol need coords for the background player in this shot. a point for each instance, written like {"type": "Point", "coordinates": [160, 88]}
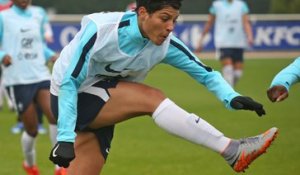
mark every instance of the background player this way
{"type": "Point", "coordinates": [26, 74]}
{"type": "Point", "coordinates": [48, 35]}
{"type": "Point", "coordinates": [232, 32]}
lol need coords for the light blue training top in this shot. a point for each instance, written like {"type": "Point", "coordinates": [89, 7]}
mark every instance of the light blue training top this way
{"type": "Point", "coordinates": [229, 30]}
{"type": "Point", "coordinates": [110, 45]}
{"type": "Point", "coordinates": [21, 37]}
{"type": "Point", "coordinates": [288, 76]}
{"type": "Point", "coordinates": [4, 1]}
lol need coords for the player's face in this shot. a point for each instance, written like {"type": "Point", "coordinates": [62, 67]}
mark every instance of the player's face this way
{"type": "Point", "coordinates": [158, 25]}
{"type": "Point", "coordinates": [22, 3]}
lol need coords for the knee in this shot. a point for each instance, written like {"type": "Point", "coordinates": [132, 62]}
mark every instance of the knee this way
{"type": "Point", "coordinates": [153, 98]}
{"type": "Point", "coordinates": [52, 120]}
{"type": "Point", "coordinates": [226, 61]}
{"type": "Point", "coordinates": [155, 94]}
{"type": "Point", "coordinates": [33, 132]}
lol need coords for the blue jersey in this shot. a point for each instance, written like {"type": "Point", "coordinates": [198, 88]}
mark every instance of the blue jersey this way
{"type": "Point", "coordinates": [229, 30]}
{"type": "Point", "coordinates": [21, 37]}
{"type": "Point", "coordinates": [110, 45]}
{"type": "Point", "coordinates": [288, 76]}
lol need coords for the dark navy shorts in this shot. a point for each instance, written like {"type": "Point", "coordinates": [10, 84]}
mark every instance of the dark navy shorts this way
{"type": "Point", "coordinates": [23, 95]}
{"type": "Point", "coordinates": [236, 54]}
{"type": "Point", "coordinates": [88, 106]}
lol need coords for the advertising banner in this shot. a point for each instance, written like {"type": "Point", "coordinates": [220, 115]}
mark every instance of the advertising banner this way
{"type": "Point", "coordinates": [268, 35]}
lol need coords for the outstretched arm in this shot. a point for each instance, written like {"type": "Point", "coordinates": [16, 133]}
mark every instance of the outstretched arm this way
{"type": "Point", "coordinates": [282, 82]}
{"type": "Point", "coordinates": [63, 152]}
{"type": "Point", "coordinates": [182, 58]}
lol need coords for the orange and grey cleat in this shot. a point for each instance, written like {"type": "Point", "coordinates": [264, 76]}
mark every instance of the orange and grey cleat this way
{"type": "Point", "coordinates": [60, 171]}
{"type": "Point", "coordinates": [31, 170]}
{"type": "Point", "coordinates": [250, 148]}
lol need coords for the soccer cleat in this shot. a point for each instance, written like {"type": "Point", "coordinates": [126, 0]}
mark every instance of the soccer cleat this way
{"type": "Point", "coordinates": [250, 148]}
{"type": "Point", "coordinates": [31, 170]}
{"type": "Point", "coordinates": [60, 171]}
{"type": "Point", "coordinates": [18, 128]}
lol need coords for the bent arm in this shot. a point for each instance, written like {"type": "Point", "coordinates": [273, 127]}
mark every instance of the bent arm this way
{"type": "Point", "coordinates": [49, 53]}
{"type": "Point", "coordinates": [73, 78]}
{"type": "Point", "coordinates": [288, 76]}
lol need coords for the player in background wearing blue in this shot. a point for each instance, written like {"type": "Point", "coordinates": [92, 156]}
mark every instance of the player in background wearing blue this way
{"type": "Point", "coordinates": [96, 83]}
{"type": "Point", "coordinates": [232, 34]}
{"type": "Point", "coordinates": [4, 4]}
{"type": "Point", "coordinates": [48, 36]}
{"type": "Point", "coordinates": [282, 82]}
{"type": "Point", "coordinates": [131, 6]}
{"type": "Point", "coordinates": [25, 73]}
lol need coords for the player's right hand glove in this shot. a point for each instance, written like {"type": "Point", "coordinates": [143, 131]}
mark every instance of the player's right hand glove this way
{"type": "Point", "coordinates": [247, 103]}
{"type": "Point", "coordinates": [277, 93]}
{"type": "Point", "coordinates": [62, 154]}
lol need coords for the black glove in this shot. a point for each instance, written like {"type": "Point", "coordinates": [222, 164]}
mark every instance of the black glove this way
{"type": "Point", "coordinates": [247, 103]}
{"type": "Point", "coordinates": [62, 154]}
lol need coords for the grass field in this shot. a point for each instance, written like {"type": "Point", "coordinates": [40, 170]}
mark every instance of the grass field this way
{"type": "Point", "coordinates": [141, 148]}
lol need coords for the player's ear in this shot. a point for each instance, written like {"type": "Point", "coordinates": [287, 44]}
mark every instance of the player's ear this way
{"type": "Point", "coordinates": [142, 12]}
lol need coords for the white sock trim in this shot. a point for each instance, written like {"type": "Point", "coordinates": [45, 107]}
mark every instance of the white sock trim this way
{"type": "Point", "coordinates": [28, 147]}
{"type": "Point", "coordinates": [228, 74]}
{"type": "Point", "coordinates": [165, 103]}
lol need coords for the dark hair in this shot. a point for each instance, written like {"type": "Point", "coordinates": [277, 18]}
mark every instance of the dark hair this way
{"type": "Point", "coordinates": [154, 5]}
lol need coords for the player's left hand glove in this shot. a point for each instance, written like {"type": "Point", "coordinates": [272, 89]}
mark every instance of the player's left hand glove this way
{"type": "Point", "coordinates": [62, 154]}
{"type": "Point", "coordinates": [241, 102]}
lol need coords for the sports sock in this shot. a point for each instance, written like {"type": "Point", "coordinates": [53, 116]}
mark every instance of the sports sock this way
{"type": "Point", "coordinates": [28, 147]}
{"type": "Point", "coordinates": [177, 121]}
{"type": "Point", "coordinates": [228, 74]}
{"type": "Point", "coordinates": [237, 75]}
{"type": "Point", "coordinates": [52, 133]}
{"type": "Point", "coordinates": [231, 150]}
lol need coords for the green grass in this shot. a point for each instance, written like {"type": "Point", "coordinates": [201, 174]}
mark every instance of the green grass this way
{"type": "Point", "coordinates": [141, 148]}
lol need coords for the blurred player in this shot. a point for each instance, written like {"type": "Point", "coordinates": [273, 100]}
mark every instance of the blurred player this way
{"type": "Point", "coordinates": [25, 73]}
{"type": "Point", "coordinates": [96, 83]}
{"type": "Point", "coordinates": [4, 4]}
{"type": "Point", "coordinates": [232, 34]}
{"type": "Point", "coordinates": [279, 89]}
{"type": "Point", "coordinates": [131, 6]}
{"type": "Point", "coordinates": [48, 36]}
{"type": "Point", "coordinates": [4, 96]}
